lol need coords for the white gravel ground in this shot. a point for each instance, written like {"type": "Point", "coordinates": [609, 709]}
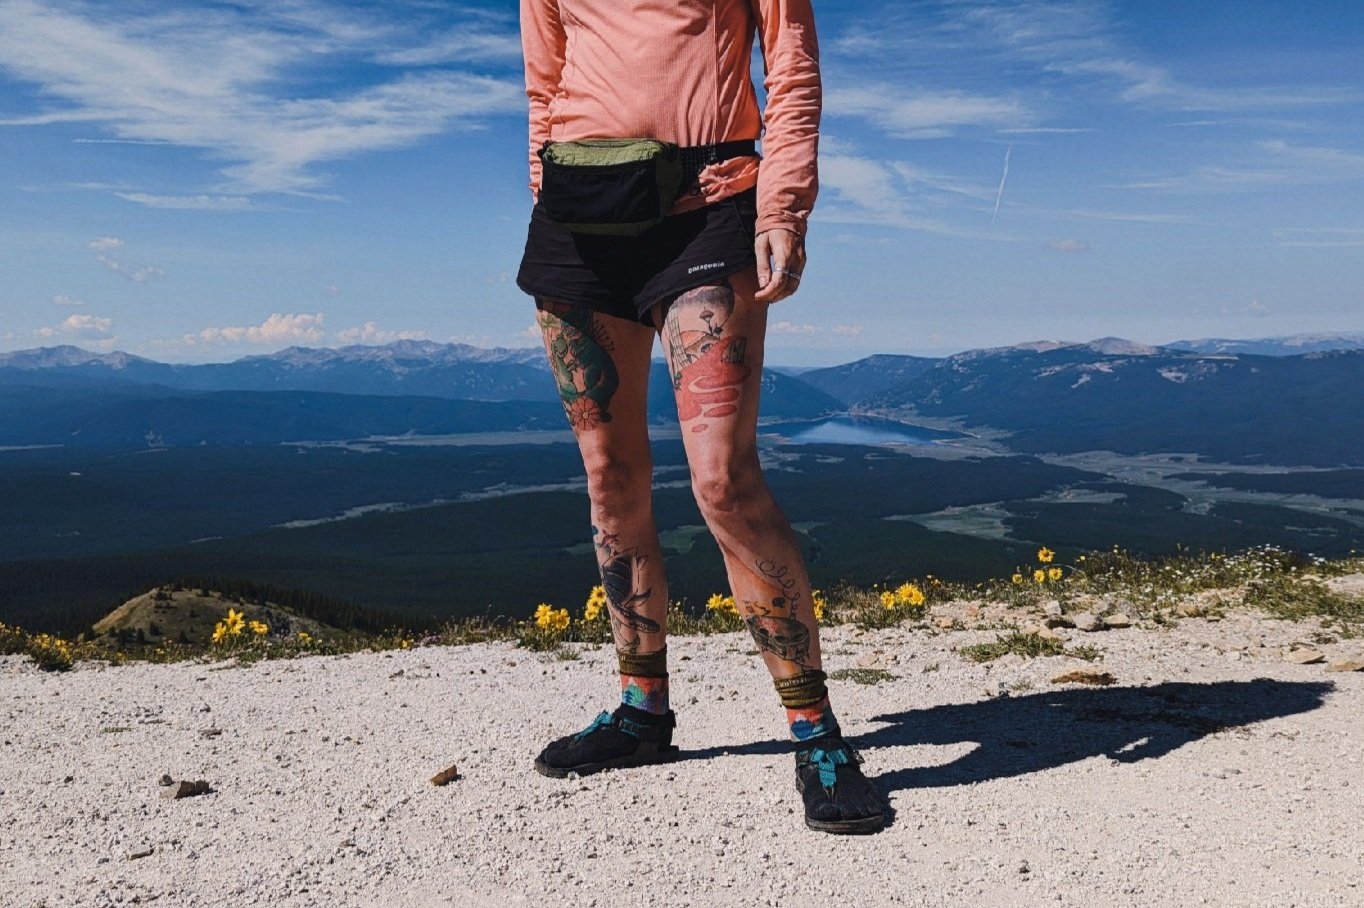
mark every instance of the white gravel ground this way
{"type": "Point", "coordinates": [1213, 773]}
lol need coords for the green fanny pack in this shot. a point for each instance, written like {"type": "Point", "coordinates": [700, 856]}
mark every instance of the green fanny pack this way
{"type": "Point", "coordinates": [621, 187]}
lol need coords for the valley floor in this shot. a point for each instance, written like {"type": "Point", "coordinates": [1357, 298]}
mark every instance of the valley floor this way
{"type": "Point", "coordinates": [1213, 772]}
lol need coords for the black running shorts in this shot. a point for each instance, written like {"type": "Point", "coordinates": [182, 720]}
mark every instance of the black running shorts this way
{"type": "Point", "coordinates": [625, 276]}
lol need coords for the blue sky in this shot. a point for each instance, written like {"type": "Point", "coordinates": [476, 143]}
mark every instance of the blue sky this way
{"type": "Point", "coordinates": [197, 181]}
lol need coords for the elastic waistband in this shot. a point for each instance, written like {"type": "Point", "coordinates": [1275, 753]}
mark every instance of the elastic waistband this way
{"type": "Point", "coordinates": [695, 157]}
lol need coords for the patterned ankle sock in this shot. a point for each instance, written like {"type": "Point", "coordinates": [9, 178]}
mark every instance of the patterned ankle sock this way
{"type": "Point", "coordinates": [806, 699]}
{"type": "Point", "coordinates": [644, 680]}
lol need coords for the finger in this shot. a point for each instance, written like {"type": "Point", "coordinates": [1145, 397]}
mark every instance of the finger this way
{"type": "Point", "coordinates": [762, 249]}
{"type": "Point", "coordinates": [774, 290]}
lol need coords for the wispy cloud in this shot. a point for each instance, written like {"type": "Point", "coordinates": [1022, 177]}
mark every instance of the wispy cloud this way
{"type": "Point", "coordinates": [233, 80]}
{"type": "Point", "coordinates": [924, 113]}
{"type": "Point", "coordinates": [1071, 246]}
{"type": "Point", "coordinates": [61, 299]}
{"type": "Point", "coordinates": [1329, 237]}
{"type": "Point", "coordinates": [189, 202]}
{"type": "Point", "coordinates": [1263, 165]}
{"type": "Point", "coordinates": [104, 245]}
{"type": "Point", "coordinates": [864, 190]}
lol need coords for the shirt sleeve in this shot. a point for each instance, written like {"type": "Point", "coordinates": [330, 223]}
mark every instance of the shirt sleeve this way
{"type": "Point", "coordinates": [542, 45]}
{"type": "Point", "coordinates": [788, 176]}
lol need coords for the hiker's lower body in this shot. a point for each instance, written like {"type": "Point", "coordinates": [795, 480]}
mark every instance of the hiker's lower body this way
{"type": "Point", "coordinates": [602, 302]}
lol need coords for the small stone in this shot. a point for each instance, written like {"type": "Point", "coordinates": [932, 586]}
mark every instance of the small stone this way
{"type": "Point", "coordinates": [145, 853]}
{"type": "Point", "coordinates": [166, 781]}
{"type": "Point", "coordinates": [1117, 620]}
{"type": "Point", "coordinates": [1085, 676]}
{"type": "Point", "coordinates": [210, 732]}
{"type": "Point", "coordinates": [1052, 608]}
{"type": "Point", "coordinates": [1189, 609]}
{"type": "Point", "coordinates": [871, 660]}
{"type": "Point", "coordinates": [946, 622]}
{"type": "Point", "coordinates": [972, 612]}
{"type": "Point", "coordinates": [185, 789]}
{"type": "Point", "coordinates": [1346, 665]}
{"type": "Point", "coordinates": [1086, 621]}
{"type": "Point", "coordinates": [1304, 656]}
{"type": "Point", "coordinates": [446, 776]}
{"type": "Point", "coordinates": [1059, 621]}
{"type": "Point", "coordinates": [1047, 633]}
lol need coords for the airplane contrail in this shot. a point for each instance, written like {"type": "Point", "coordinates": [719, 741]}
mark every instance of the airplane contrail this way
{"type": "Point", "coordinates": [999, 196]}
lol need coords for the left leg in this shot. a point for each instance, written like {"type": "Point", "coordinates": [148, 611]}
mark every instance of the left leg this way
{"type": "Point", "coordinates": [713, 339]}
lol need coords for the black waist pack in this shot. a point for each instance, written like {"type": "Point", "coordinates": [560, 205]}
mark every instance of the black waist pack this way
{"type": "Point", "coordinates": [620, 187]}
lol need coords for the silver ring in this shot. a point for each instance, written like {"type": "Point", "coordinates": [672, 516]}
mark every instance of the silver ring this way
{"type": "Point", "coordinates": [794, 274]}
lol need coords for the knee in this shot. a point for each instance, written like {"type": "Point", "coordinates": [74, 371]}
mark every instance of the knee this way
{"type": "Point", "coordinates": [617, 485]}
{"type": "Point", "coordinates": [726, 490]}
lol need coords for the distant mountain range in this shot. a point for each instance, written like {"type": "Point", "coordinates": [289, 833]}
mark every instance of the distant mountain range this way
{"type": "Point", "coordinates": [66, 395]}
{"type": "Point", "coordinates": [1051, 396]}
{"type": "Point", "coordinates": [1238, 408]}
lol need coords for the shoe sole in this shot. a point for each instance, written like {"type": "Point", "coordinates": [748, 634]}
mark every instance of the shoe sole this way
{"type": "Point", "coordinates": [663, 755]}
{"type": "Point", "coordinates": [862, 826]}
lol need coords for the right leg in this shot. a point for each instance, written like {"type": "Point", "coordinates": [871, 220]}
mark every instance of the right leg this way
{"type": "Point", "coordinates": [601, 366]}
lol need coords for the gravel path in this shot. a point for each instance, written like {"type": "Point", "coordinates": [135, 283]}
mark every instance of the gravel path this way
{"type": "Point", "coordinates": [1212, 773]}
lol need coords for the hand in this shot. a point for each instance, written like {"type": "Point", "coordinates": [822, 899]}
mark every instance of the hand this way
{"type": "Point", "coordinates": [781, 259]}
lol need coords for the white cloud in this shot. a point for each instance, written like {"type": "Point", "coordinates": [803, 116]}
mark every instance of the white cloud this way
{"type": "Point", "coordinates": [82, 325]}
{"type": "Point", "coordinates": [1069, 246]}
{"type": "Point", "coordinates": [370, 333]}
{"type": "Point", "coordinates": [61, 299]}
{"type": "Point", "coordinates": [278, 328]}
{"type": "Point", "coordinates": [1263, 165]}
{"type": "Point", "coordinates": [846, 330]}
{"type": "Point", "coordinates": [893, 194]}
{"type": "Point", "coordinates": [105, 243]}
{"type": "Point", "coordinates": [1331, 237]}
{"type": "Point", "coordinates": [226, 79]}
{"type": "Point", "coordinates": [189, 202]}
{"type": "Point", "coordinates": [792, 328]}
{"type": "Point", "coordinates": [917, 113]}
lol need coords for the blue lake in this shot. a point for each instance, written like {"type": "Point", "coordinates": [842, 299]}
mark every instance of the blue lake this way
{"type": "Point", "coordinates": [855, 430]}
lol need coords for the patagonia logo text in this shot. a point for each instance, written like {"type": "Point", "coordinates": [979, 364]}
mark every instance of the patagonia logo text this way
{"type": "Point", "coordinates": [706, 267]}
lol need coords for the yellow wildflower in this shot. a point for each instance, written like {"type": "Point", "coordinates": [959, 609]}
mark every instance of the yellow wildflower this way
{"type": "Point", "coordinates": [723, 604]}
{"type": "Point", "coordinates": [1039, 575]}
{"type": "Point", "coordinates": [1045, 555]}
{"type": "Point", "coordinates": [909, 594]}
{"type": "Point", "coordinates": [219, 632]}
{"type": "Point", "coordinates": [260, 628]}
{"type": "Point", "coordinates": [1017, 578]}
{"type": "Point", "coordinates": [305, 637]}
{"type": "Point", "coordinates": [820, 604]}
{"type": "Point", "coordinates": [1053, 573]}
{"type": "Point", "coordinates": [547, 617]}
{"type": "Point", "coordinates": [888, 599]}
{"type": "Point", "coordinates": [235, 622]}
{"type": "Point", "coordinates": [596, 602]}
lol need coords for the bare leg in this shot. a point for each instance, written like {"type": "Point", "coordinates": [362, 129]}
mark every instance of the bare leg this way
{"type": "Point", "coordinates": [713, 339]}
{"type": "Point", "coordinates": [601, 365]}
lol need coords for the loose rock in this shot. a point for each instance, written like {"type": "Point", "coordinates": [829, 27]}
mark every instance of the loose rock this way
{"type": "Point", "coordinates": [1346, 665]}
{"type": "Point", "coordinates": [1085, 676]}
{"type": "Point", "coordinates": [446, 776]}
{"type": "Point", "coordinates": [1304, 656]}
{"type": "Point", "coordinates": [1086, 621]}
{"type": "Point", "coordinates": [1117, 620]}
{"type": "Point", "coordinates": [185, 789]}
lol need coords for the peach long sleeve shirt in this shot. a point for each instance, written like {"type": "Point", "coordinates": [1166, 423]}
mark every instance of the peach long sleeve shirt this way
{"type": "Point", "coordinates": [678, 71]}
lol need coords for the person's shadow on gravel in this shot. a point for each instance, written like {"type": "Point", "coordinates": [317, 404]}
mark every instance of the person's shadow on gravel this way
{"type": "Point", "coordinates": [1022, 734]}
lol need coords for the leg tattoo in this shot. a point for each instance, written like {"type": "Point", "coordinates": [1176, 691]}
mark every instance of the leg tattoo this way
{"type": "Point", "coordinates": [707, 365]}
{"type": "Point", "coordinates": [580, 356]}
{"type": "Point", "coordinates": [618, 570]}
